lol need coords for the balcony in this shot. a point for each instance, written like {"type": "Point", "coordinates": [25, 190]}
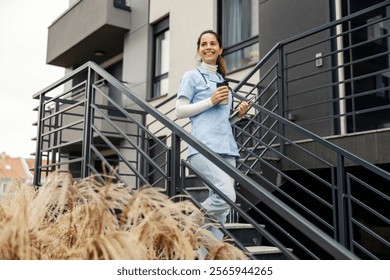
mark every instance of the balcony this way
{"type": "Point", "coordinates": [90, 30]}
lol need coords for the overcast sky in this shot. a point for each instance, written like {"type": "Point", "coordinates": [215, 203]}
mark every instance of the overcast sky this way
{"type": "Point", "coordinates": [23, 69]}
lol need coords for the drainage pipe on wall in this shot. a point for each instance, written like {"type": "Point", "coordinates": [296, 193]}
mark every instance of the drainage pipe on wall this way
{"type": "Point", "coordinates": [340, 71]}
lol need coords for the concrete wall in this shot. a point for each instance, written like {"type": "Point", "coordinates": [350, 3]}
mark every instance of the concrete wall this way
{"type": "Point", "coordinates": [135, 51]}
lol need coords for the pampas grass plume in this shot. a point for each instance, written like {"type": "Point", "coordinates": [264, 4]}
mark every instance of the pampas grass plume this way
{"type": "Point", "coordinates": [86, 220]}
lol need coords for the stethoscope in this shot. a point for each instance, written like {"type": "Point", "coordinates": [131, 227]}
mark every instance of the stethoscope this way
{"type": "Point", "coordinates": [206, 83]}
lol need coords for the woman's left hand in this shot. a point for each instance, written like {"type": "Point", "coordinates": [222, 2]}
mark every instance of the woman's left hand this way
{"type": "Point", "coordinates": [243, 108]}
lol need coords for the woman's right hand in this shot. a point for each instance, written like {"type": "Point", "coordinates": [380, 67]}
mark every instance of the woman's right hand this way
{"type": "Point", "coordinates": [221, 93]}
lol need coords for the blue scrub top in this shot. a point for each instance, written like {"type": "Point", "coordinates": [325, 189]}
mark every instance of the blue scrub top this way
{"type": "Point", "coordinates": [212, 126]}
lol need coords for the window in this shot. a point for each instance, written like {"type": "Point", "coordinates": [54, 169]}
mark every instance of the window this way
{"type": "Point", "coordinates": [160, 58]}
{"type": "Point", "coordinates": [239, 27]}
{"type": "Point", "coordinates": [122, 4]}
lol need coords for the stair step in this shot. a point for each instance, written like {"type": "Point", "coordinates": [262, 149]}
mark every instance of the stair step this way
{"type": "Point", "coordinates": [262, 250]}
{"type": "Point", "coordinates": [272, 158]}
{"type": "Point", "coordinates": [267, 252]}
{"type": "Point", "coordinates": [245, 233]}
{"type": "Point", "coordinates": [239, 226]}
{"type": "Point", "coordinates": [201, 188]}
{"type": "Point", "coordinates": [250, 159]}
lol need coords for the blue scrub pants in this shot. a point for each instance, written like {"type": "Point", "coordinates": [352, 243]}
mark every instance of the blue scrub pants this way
{"type": "Point", "coordinates": [214, 204]}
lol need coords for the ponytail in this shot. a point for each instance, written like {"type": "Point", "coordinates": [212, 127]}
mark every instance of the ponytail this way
{"type": "Point", "coordinates": [221, 66]}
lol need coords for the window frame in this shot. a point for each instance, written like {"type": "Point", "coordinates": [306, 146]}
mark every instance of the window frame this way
{"type": "Point", "coordinates": [235, 47]}
{"type": "Point", "coordinates": [157, 29]}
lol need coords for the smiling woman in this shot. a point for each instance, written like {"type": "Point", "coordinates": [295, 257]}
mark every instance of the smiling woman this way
{"type": "Point", "coordinates": [201, 97]}
{"type": "Point", "coordinates": [23, 69]}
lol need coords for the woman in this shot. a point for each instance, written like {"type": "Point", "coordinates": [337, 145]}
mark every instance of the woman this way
{"type": "Point", "coordinates": [200, 99]}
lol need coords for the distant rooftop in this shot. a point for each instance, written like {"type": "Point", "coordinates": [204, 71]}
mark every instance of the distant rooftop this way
{"type": "Point", "coordinates": [15, 168]}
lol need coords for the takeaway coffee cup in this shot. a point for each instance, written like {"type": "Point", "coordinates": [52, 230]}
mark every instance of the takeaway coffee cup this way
{"type": "Point", "coordinates": [225, 101]}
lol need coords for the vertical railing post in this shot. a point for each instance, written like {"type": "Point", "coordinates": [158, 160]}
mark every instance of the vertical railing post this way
{"type": "Point", "coordinates": [281, 96]}
{"type": "Point", "coordinates": [87, 130]}
{"type": "Point", "coordinates": [54, 152]}
{"type": "Point", "coordinates": [38, 146]}
{"type": "Point", "coordinates": [341, 206]}
{"type": "Point", "coordinates": [141, 162]}
{"type": "Point", "coordinates": [174, 166]}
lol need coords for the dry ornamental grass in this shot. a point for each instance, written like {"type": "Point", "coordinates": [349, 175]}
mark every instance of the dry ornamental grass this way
{"type": "Point", "coordinates": [86, 220]}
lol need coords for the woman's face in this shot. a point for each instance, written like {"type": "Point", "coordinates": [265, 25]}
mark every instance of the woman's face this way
{"type": "Point", "coordinates": [209, 48]}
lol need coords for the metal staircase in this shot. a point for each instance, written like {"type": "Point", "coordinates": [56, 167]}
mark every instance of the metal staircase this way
{"type": "Point", "coordinates": [300, 196]}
